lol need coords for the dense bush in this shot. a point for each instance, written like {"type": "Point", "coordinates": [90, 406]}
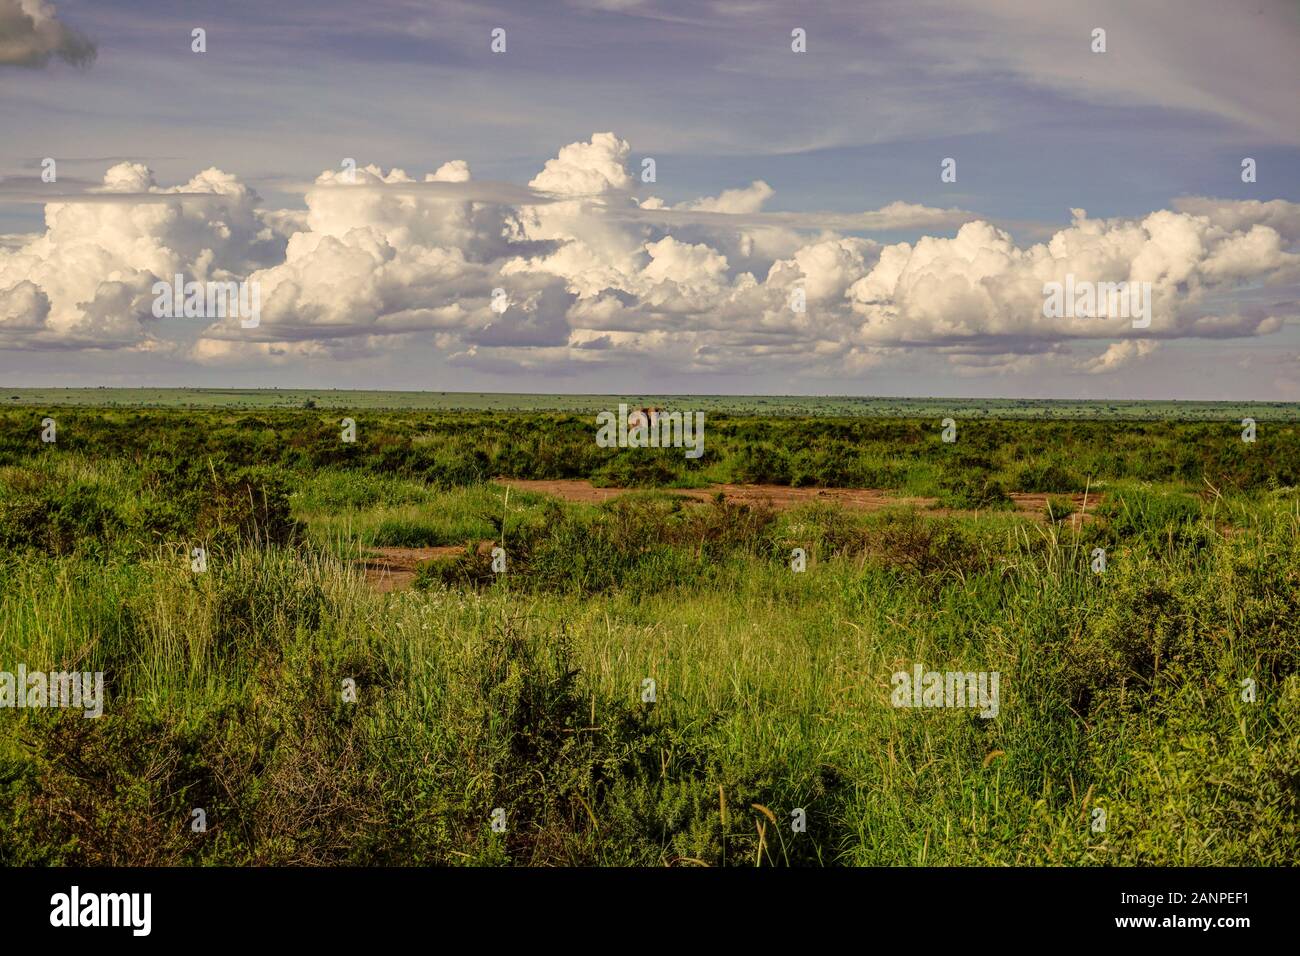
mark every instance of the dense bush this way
{"type": "Point", "coordinates": [449, 450]}
{"type": "Point", "coordinates": [48, 506]}
{"type": "Point", "coordinates": [57, 521]}
{"type": "Point", "coordinates": [1046, 476]}
{"type": "Point", "coordinates": [632, 542]}
{"type": "Point", "coordinates": [974, 490]}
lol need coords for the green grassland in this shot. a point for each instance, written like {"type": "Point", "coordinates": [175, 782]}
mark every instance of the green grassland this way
{"type": "Point", "coordinates": [765, 405]}
{"type": "Point", "coordinates": [525, 690]}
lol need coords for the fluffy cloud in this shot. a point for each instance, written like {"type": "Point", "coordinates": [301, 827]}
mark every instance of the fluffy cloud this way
{"type": "Point", "coordinates": [734, 201]}
{"type": "Point", "coordinates": [96, 261]}
{"type": "Point", "coordinates": [31, 35]}
{"type": "Point", "coordinates": [591, 275]}
{"type": "Point", "coordinates": [23, 307]}
{"type": "Point", "coordinates": [1235, 215]}
{"type": "Point", "coordinates": [979, 285]}
{"type": "Point", "coordinates": [1118, 355]}
{"type": "Point", "coordinates": [584, 169]}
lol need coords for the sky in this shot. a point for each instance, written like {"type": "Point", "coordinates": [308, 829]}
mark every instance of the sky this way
{"type": "Point", "coordinates": [716, 196]}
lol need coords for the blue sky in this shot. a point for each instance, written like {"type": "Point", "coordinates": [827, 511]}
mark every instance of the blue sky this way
{"type": "Point", "coordinates": [1038, 123]}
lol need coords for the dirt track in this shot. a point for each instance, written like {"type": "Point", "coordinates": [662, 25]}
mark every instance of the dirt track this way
{"type": "Point", "coordinates": [780, 497]}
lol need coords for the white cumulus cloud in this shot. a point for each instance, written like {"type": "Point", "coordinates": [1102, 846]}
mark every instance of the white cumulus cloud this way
{"type": "Point", "coordinates": [594, 276]}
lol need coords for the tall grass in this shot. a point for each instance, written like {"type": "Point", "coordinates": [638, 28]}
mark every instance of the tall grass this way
{"type": "Point", "coordinates": [1119, 691]}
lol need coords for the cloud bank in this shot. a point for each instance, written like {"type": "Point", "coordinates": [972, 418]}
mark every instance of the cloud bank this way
{"type": "Point", "coordinates": [594, 269]}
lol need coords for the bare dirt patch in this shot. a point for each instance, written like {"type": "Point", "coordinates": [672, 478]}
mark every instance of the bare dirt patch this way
{"type": "Point", "coordinates": [394, 569]}
{"type": "Point", "coordinates": [780, 497]}
{"type": "Point", "coordinates": [783, 497]}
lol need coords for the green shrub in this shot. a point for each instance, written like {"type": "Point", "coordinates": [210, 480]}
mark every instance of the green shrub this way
{"type": "Point", "coordinates": [58, 520]}
{"type": "Point", "coordinates": [1040, 476]}
{"type": "Point", "coordinates": [1058, 508]}
{"type": "Point", "coordinates": [972, 491]}
{"type": "Point", "coordinates": [246, 504]}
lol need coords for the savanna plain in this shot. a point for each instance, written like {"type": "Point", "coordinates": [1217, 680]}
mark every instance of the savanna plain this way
{"type": "Point", "coordinates": [649, 681]}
